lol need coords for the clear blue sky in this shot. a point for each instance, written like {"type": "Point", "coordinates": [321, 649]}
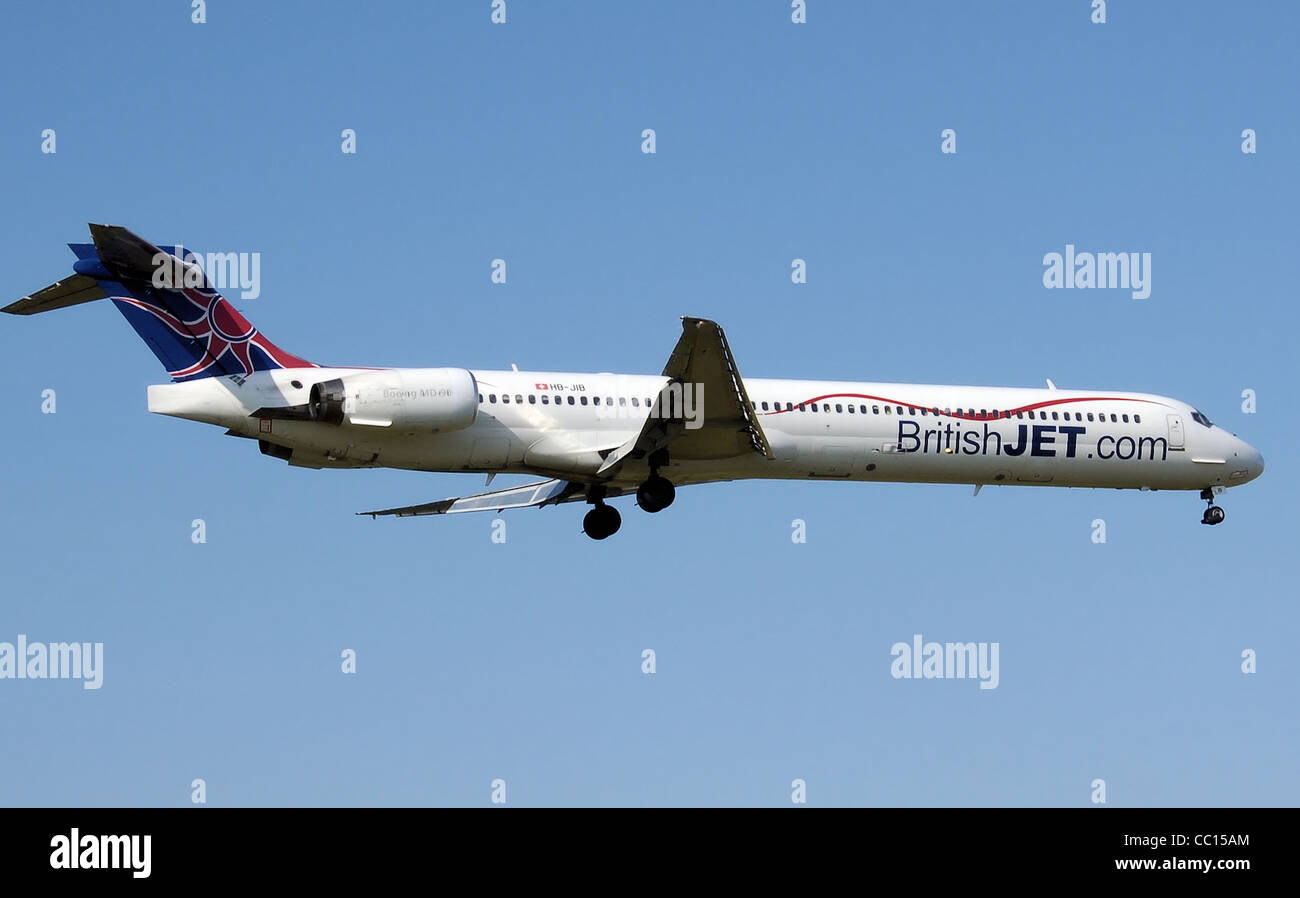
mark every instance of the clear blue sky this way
{"type": "Point", "coordinates": [775, 141]}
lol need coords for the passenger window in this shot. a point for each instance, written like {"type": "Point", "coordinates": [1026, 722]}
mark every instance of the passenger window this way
{"type": "Point", "coordinates": [622, 400]}
{"type": "Point", "coordinates": [532, 399]}
{"type": "Point", "coordinates": [826, 406]}
{"type": "Point", "coordinates": [1054, 418]}
{"type": "Point", "coordinates": [812, 406]}
{"type": "Point", "coordinates": [1114, 420]}
{"type": "Point", "coordinates": [764, 406]}
{"type": "Point", "coordinates": [837, 408]}
{"type": "Point", "coordinates": [595, 400]}
{"type": "Point", "coordinates": [801, 406]}
{"type": "Point", "coordinates": [609, 400]}
{"type": "Point", "coordinates": [505, 397]}
{"type": "Point", "coordinates": [492, 397]}
{"type": "Point", "coordinates": [636, 403]}
{"type": "Point", "coordinates": [1125, 417]}
{"type": "Point", "coordinates": [875, 410]}
{"type": "Point", "coordinates": [545, 401]}
{"type": "Point", "coordinates": [584, 400]}
{"type": "Point", "coordinates": [480, 398]}
{"type": "Point", "coordinates": [571, 400]}
{"type": "Point", "coordinates": [789, 406]}
{"type": "Point", "coordinates": [519, 398]}
{"type": "Point", "coordinates": [1137, 419]}
{"type": "Point", "coordinates": [890, 408]}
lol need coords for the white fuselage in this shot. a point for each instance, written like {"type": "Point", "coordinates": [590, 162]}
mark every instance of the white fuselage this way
{"type": "Point", "coordinates": [562, 424]}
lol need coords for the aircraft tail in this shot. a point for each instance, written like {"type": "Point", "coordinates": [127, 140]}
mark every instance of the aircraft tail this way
{"type": "Point", "coordinates": [192, 329]}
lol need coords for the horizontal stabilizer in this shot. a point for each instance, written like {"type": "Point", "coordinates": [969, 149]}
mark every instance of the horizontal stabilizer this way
{"type": "Point", "coordinates": [545, 492]}
{"type": "Point", "coordinates": [70, 291]}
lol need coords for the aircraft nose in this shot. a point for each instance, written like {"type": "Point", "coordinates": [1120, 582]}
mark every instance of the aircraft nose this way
{"type": "Point", "coordinates": [1256, 463]}
{"type": "Point", "coordinates": [1253, 461]}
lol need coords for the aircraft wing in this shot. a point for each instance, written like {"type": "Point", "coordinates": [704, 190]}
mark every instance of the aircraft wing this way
{"type": "Point", "coordinates": [543, 492]}
{"type": "Point", "coordinates": [725, 425]}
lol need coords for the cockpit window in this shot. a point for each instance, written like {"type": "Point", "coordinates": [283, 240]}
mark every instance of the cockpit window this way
{"type": "Point", "coordinates": [1201, 419]}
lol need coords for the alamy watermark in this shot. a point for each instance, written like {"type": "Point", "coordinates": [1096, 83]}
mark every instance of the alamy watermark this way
{"type": "Point", "coordinates": [675, 401]}
{"type": "Point", "coordinates": [224, 271]}
{"type": "Point", "coordinates": [1100, 271]}
{"type": "Point", "coordinates": [919, 660]}
{"type": "Point", "coordinates": [53, 661]}
{"type": "Point", "coordinates": [90, 852]}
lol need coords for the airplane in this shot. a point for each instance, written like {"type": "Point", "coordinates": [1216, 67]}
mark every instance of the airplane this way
{"type": "Point", "coordinates": [595, 437]}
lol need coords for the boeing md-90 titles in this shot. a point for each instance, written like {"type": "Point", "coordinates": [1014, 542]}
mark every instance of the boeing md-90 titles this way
{"type": "Point", "coordinates": [594, 437]}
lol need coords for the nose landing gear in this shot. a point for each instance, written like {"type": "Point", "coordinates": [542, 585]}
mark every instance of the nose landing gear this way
{"type": "Point", "coordinates": [1214, 514]}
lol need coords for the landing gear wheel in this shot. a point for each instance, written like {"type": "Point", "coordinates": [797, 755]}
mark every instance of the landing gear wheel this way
{"type": "Point", "coordinates": [602, 522]}
{"type": "Point", "coordinates": [656, 493]}
{"type": "Point", "coordinates": [1214, 514]}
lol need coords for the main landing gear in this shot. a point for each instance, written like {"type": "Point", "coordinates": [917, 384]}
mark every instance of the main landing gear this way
{"type": "Point", "coordinates": [657, 492]}
{"type": "Point", "coordinates": [1214, 514]}
{"type": "Point", "coordinates": [602, 521]}
{"type": "Point", "coordinates": [654, 494]}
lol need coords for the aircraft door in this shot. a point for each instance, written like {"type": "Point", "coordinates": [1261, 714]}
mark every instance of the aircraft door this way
{"type": "Point", "coordinates": [1176, 432]}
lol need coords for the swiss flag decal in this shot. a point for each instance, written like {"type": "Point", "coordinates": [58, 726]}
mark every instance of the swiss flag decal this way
{"type": "Point", "coordinates": [540, 387]}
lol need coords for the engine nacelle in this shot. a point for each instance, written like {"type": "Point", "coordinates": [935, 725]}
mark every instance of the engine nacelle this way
{"type": "Point", "coordinates": [410, 400]}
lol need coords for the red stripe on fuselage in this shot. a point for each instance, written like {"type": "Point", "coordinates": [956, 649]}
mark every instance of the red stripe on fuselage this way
{"type": "Point", "coordinates": [1007, 413]}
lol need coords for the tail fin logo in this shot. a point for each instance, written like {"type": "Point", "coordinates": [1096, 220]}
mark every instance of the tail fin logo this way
{"type": "Point", "coordinates": [226, 342]}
